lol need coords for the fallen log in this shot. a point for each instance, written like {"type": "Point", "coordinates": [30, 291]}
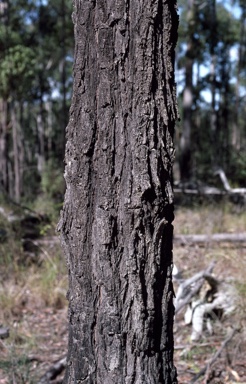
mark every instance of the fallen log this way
{"type": "Point", "coordinates": [226, 184]}
{"type": "Point", "coordinates": [201, 191]}
{"type": "Point", "coordinates": [215, 238]}
{"type": "Point", "coordinates": [53, 371]}
{"type": "Point", "coordinates": [206, 190]}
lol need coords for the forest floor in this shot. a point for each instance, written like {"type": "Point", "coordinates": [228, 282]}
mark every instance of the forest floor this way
{"type": "Point", "coordinates": [230, 265]}
{"type": "Point", "coordinates": [34, 308]}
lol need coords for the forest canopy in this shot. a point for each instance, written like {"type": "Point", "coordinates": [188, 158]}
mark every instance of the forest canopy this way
{"type": "Point", "coordinates": [36, 55]}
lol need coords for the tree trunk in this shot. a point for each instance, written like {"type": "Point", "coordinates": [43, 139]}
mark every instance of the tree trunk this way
{"type": "Point", "coordinates": [64, 111]}
{"type": "Point", "coordinates": [185, 141]}
{"type": "Point", "coordinates": [3, 145]}
{"type": "Point", "coordinates": [236, 128]}
{"type": "Point", "coordinates": [116, 222]}
{"type": "Point", "coordinates": [16, 153]}
{"type": "Point", "coordinates": [41, 137]}
{"type": "Point", "coordinates": [213, 58]}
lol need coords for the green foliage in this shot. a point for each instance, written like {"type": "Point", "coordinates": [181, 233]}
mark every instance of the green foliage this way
{"type": "Point", "coordinates": [52, 282]}
{"type": "Point", "coordinates": [237, 169]}
{"type": "Point", "coordinates": [49, 200]}
{"type": "Point", "coordinates": [11, 250]}
{"type": "Point", "coordinates": [36, 51]}
{"type": "Point", "coordinates": [17, 71]}
{"type": "Point", "coordinates": [52, 182]}
{"type": "Point", "coordinates": [18, 368]}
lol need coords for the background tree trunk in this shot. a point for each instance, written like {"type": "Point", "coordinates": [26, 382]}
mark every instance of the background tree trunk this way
{"type": "Point", "coordinates": [17, 153]}
{"type": "Point", "coordinates": [237, 143]}
{"type": "Point", "coordinates": [185, 140]}
{"type": "Point", "coordinates": [116, 223]}
{"type": "Point", "coordinates": [3, 145]}
{"type": "Point", "coordinates": [213, 113]}
{"type": "Point", "coordinates": [41, 140]}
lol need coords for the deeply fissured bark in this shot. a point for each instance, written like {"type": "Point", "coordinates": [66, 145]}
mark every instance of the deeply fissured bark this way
{"type": "Point", "coordinates": [116, 222]}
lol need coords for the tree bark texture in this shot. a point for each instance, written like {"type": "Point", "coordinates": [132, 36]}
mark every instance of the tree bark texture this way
{"type": "Point", "coordinates": [116, 224]}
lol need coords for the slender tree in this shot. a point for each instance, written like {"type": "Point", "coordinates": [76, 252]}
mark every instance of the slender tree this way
{"type": "Point", "coordinates": [237, 136]}
{"type": "Point", "coordinates": [3, 145]}
{"type": "Point", "coordinates": [116, 222]}
{"type": "Point", "coordinates": [213, 45]}
{"type": "Point", "coordinates": [185, 141]}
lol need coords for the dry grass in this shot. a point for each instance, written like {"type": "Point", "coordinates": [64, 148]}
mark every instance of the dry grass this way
{"type": "Point", "coordinates": [33, 303]}
{"type": "Point", "coordinates": [230, 265]}
{"type": "Point", "coordinates": [208, 219]}
{"type": "Point", "coordinates": [40, 284]}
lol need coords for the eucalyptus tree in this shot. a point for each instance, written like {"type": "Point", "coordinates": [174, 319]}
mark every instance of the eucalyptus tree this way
{"type": "Point", "coordinates": [35, 40]}
{"type": "Point", "coordinates": [210, 117]}
{"type": "Point", "coordinates": [239, 134]}
{"type": "Point", "coordinates": [116, 224]}
{"type": "Point", "coordinates": [17, 66]}
{"type": "Point", "coordinates": [185, 139]}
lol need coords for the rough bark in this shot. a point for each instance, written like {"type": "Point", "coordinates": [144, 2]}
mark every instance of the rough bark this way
{"type": "Point", "coordinates": [116, 222]}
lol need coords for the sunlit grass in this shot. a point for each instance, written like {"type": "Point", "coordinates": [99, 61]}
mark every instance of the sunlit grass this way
{"type": "Point", "coordinates": [49, 283]}
{"type": "Point", "coordinates": [41, 284]}
{"type": "Point", "coordinates": [29, 289]}
{"type": "Point", "coordinates": [207, 219]}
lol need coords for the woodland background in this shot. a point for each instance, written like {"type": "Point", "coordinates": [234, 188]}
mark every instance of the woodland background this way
{"type": "Point", "coordinates": [36, 57]}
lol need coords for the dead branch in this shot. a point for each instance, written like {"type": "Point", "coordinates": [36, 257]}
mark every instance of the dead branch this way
{"type": "Point", "coordinates": [205, 190]}
{"type": "Point", "coordinates": [226, 184]}
{"type": "Point", "coordinates": [186, 291]}
{"type": "Point", "coordinates": [51, 240]}
{"type": "Point", "coordinates": [217, 354]}
{"type": "Point", "coordinates": [53, 371]}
